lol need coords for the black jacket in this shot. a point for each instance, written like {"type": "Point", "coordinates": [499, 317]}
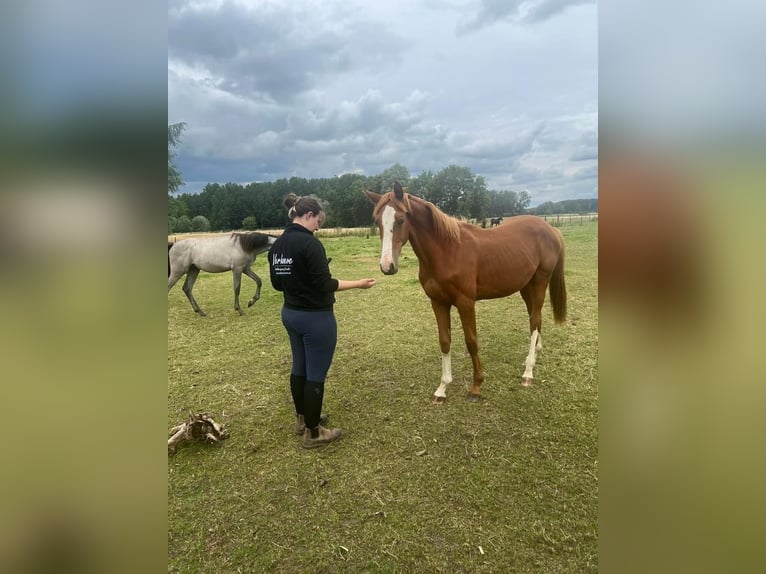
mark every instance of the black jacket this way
{"type": "Point", "coordinates": [299, 268]}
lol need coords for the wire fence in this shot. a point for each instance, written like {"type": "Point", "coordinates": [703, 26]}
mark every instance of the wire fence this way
{"type": "Point", "coordinates": [554, 220]}
{"type": "Point", "coordinates": [559, 220]}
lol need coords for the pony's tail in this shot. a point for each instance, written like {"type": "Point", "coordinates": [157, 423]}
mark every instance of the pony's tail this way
{"type": "Point", "coordinates": [170, 246]}
{"type": "Point", "coordinates": [559, 290]}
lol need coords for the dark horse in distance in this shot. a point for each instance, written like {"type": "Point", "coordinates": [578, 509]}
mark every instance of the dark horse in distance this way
{"type": "Point", "coordinates": [461, 263]}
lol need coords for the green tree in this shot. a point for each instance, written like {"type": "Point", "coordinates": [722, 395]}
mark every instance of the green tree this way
{"type": "Point", "coordinates": [506, 202]}
{"type": "Point", "coordinates": [546, 208]}
{"type": "Point", "coordinates": [228, 207]}
{"type": "Point", "coordinates": [250, 223]}
{"type": "Point", "coordinates": [396, 172]}
{"type": "Point", "coordinates": [342, 197]}
{"type": "Point", "coordinates": [177, 206]}
{"type": "Point", "coordinates": [522, 201]}
{"type": "Point", "coordinates": [172, 224]}
{"type": "Point", "coordinates": [451, 189]}
{"type": "Point", "coordinates": [183, 225]}
{"type": "Point", "coordinates": [477, 199]}
{"type": "Point", "coordinates": [267, 205]}
{"type": "Point", "coordinates": [175, 181]}
{"type": "Point", "coordinates": [421, 184]}
{"type": "Point", "coordinates": [362, 208]}
{"type": "Point", "coordinates": [200, 223]}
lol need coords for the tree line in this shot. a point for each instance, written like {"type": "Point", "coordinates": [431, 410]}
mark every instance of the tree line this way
{"type": "Point", "coordinates": [259, 205]}
{"type": "Point", "coordinates": [224, 207]}
{"type": "Point", "coordinates": [578, 206]}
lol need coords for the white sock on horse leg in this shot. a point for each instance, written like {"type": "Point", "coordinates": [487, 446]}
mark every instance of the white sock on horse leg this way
{"type": "Point", "coordinates": [527, 377]}
{"type": "Point", "coordinates": [446, 375]}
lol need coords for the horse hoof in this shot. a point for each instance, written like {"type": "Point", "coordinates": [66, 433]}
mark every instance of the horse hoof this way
{"type": "Point", "coordinates": [473, 398]}
{"type": "Point", "coordinates": [438, 401]}
{"type": "Point", "coordinates": [202, 313]}
{"type": "Point", "coordinates": [526, 381]}
{"type": "Point", "coordinates": [251, 303]}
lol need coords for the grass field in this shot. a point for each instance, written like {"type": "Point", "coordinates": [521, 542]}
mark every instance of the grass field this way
{"type": "Point", "coordinates": [509, 484]}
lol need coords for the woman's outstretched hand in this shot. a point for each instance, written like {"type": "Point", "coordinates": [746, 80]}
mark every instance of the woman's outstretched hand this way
{"type": "Point", "coordinates": [357, 284]}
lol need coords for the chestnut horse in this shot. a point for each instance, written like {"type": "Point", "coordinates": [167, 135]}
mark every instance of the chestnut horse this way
{"type": "Point", "coordinates": [461, 263]}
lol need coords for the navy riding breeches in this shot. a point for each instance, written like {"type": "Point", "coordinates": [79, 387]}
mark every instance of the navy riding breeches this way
{"type": "Point", "coordinates": [313, 336]}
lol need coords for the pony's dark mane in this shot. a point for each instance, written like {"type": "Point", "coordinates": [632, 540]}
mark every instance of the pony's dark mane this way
{"type": "Point", "coordinates": [252, 241]}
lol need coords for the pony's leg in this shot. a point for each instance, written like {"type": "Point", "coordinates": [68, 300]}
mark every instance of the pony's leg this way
{"type": "Point", "coordinates": [534, 296]}
{"type": "Point", "coordinates": [173, 279]}
{"type": "Point", "coordinates": [174, 274]}
{"type": "Point", "coordinates": [467, 312]}
{"type": "Point", "coordinates": [237, 284]}
{"type": "Point", "coordinates": [191, 277]}
{"type": "Point", "coordinates": [250, 273]}
{"type": "Point", "coordinates": [442, 314]}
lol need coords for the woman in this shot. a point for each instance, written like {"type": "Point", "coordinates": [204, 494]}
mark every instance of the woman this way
{"type": "Point", "coordinates": [299, 268]}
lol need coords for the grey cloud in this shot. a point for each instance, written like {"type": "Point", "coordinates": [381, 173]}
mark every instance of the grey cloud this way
{"type": "Point", "coordinates": [584, 153]}
{"type": "Point", "coordinates": [368, 114]}
{"type": "Point", "coordinates": [275, 52]}
{"type": "Point", "coordinates": [586, 173]}
{"type": "Point", "coordinates": [319, 89]}
{"type": "Point", "coordinates": [572, 138]}
{"type": "Point", "coordinates": [551, 183]}
{"type": "Point", "coordinates": [587, 148]}
{"type": "Point", "coordinates": [545, 9]}
{"type": "Point", "coordinates": [528, 175]}
{"type": "Point", "coordinates": [487, 12]}
{"type": "Point", "coordinates": [490, 11]}
{"type": "Point", "coordinates": [471, 146]}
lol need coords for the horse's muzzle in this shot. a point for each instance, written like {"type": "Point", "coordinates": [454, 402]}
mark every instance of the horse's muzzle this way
{"type": "Point", "coordinates": [390, 271]}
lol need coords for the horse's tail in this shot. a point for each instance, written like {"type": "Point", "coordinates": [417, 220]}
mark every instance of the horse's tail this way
{"type": "Point", "coordinates": [558, 289]}
{"type": "Point", "coordinates": [170, 246]}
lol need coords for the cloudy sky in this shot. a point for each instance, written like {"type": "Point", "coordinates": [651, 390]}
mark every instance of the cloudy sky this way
{"type": "Point", "coordinates": [271, 89]}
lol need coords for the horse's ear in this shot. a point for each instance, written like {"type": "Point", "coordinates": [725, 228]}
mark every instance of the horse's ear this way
{"type": "Point", "coordinates": [398, 191]}
{"type": "Point", "coordinates": [372, 196]}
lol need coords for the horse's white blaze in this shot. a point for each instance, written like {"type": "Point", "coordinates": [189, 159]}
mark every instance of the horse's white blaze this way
{"type": "Point", "coordinates": [526, 378]}
{"type": "Point", "coordinates": [387, 243]}
{"type": "Point", "coordinates": [446, 375]}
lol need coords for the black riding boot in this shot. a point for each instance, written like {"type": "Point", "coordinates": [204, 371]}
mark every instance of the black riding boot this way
{"type": "Point", "coordinates": [297, 384]}
{"type": "Point", "coordinates": [313, 394]}
{"type": "Point", "coordinates": [315, 434]}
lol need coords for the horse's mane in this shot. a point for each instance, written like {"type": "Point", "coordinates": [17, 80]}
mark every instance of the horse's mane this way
{"type": "Point", "coordinates": [251, 241]}
{"type": "Point", "coordinates": [447, 227]}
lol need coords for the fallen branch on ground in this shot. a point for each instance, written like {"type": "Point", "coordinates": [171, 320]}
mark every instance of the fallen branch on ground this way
{"type": "Point", "coordinates": [198, 427]}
